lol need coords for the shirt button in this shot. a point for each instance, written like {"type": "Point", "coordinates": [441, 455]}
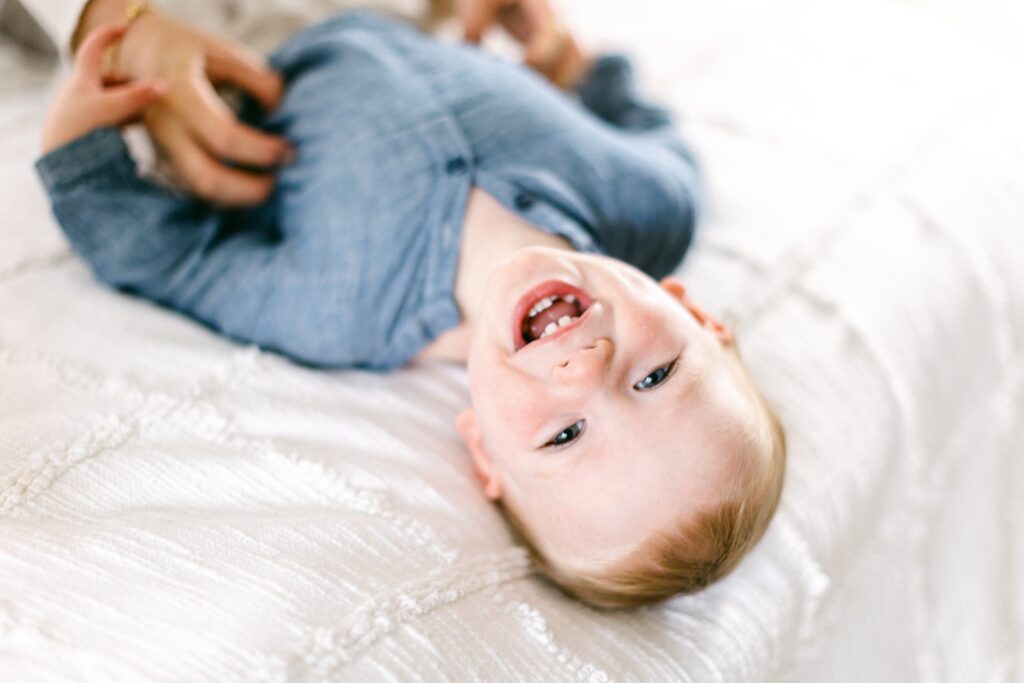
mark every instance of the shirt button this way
{"type": "Point", "coordinates": [523, 200]}
{"type": "Point", "coordinates": [456, 166]}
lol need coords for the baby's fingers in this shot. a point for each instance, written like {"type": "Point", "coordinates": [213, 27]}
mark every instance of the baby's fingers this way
{"type": "Point", "coordinates": [122, 103]}
{"type": "Point", "coordinates": [89, 58]}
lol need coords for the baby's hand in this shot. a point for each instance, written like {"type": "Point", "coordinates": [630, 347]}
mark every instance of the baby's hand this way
{"type": "Point", "coordinates": [84, 102]}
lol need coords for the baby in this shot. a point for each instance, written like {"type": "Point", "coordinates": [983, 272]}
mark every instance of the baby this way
{"type": "Point", "coordinates": [446, 203]}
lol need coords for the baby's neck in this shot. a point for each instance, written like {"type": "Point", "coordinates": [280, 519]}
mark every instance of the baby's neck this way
{"type": "Point", "coordinates": [490, 234]}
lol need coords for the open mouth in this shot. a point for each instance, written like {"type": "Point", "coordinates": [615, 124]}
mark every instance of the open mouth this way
{"type": "Point", "coordinates": [546, 311]}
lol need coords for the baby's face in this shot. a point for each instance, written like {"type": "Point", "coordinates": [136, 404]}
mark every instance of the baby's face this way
{"type": "Point", "coordinates": [622, 422]}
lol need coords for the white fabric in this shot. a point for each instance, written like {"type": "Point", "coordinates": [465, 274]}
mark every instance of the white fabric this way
{"type": "Point", "coordinates": [174, 507]}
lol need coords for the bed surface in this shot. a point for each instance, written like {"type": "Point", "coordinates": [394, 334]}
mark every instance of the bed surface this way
{"type": "Point", "coordinates": [176, 507]}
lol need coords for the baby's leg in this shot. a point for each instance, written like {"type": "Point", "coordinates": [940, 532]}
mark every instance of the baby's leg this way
{"type": "Point", "coordinates": [228, 269]}
{"type": "Point", "coordinates": [361, 127]}
{"type": "Point", "coordinates": [378, 187]}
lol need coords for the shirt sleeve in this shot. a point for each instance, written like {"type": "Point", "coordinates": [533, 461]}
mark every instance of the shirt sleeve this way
{"type": "Point", "coordinates": [57, 19]}
{"type": "Point", "coordinates": [609, 91]}
{"type": "Point", "coordinates": [51, 23]}
{"type": "Point", "coordinates": [227, 268]}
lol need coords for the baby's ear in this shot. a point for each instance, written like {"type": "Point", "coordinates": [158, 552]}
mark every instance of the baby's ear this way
{"type": "Point", "coordinates": [467, 425]}
{"type": "Point", "coordinates": [674, 287]}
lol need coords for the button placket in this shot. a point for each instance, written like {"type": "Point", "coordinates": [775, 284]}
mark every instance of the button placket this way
{"type": "Point", "coordinates": [456, 165]}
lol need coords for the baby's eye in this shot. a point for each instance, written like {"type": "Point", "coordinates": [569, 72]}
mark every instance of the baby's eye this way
{"type": "Point", "coordinates": [657, 377]}
{"type": "Point", "coordinates": [569, 434]}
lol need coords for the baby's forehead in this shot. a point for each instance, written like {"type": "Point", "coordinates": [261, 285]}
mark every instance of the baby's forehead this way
{"type": "Point", "coordinates": [609, 510]}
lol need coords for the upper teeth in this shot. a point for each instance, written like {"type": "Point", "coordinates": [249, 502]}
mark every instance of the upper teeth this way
{"type": "Point", "coordinates": [564, 320]}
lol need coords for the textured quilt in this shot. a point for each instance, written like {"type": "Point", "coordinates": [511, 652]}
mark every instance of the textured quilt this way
{"type": "Point", "coordinates": [176, 507]}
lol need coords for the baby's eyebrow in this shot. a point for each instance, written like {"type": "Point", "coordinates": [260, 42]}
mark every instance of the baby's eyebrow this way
{"type": "Point", "coordinates": [552, 470]}
{"type": "Point", "coordinates": [694, 384]}
{"type": "Point", "coordinates": [550, 473]}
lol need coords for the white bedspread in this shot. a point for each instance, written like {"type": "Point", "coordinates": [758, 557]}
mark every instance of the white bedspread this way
{"type": "Point", "coordinates": [174, 507]}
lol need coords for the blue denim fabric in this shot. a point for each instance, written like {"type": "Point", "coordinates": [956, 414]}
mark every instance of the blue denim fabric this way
{"type": "Point", "coordinates": [352, 261]}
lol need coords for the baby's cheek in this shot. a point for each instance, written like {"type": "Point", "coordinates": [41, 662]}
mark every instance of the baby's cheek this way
{"type": "Point", "coordinates": [514, 412]}
{"type": "Point", "coordinates": [520, 415]}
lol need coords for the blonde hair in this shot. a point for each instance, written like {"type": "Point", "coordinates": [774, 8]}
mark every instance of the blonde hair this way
{"type": "Point", "coordinates": [688, 557]}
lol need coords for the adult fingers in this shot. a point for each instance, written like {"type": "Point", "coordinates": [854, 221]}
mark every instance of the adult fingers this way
{"type": "Point", "coordinates": [546, 36]}
{"type": "Point", "coordinates": [126, 102]}
{"type": "Point", "coordinates": [89, 58]}
{"type": "Point", "coordinates": [234, 64]}
{"type": "Point", "coordinates": [214, 124]}
{"type": "Point", "coordinates": [477, 16]}
{"type": "Point", "coordinates": [204, 176]}
{"type": "Point", "coordinates": [544, 50]}
{"type": "Point", "coordinates": [515, 21]}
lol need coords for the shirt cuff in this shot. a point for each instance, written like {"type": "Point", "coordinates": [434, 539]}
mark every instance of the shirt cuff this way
{"type": "Point", "coordinates": [607, 87]}
{"type": "Point", "coordinates": [82, 157]}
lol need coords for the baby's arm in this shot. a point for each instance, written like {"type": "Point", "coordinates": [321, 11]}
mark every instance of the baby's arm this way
{"type": "Point", "coordinates": [84, 103]}
{"type": "Point", "coordinates": [608, 89]}
{"type": "Point", "coordinates": [605, 84]}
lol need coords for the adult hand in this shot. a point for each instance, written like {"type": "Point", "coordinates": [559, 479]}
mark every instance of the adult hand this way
{"type": "Point", "coordinates": [191, 123]}
{"type": "Point", "coordinates": [549, 48]}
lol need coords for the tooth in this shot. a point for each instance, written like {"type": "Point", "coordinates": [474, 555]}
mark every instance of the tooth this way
{"type": "Point", "coordinates": [549, 329]}
{"type": "Point", "coordinates": [546, 303]}
{"type": "Point", "coordinates": [564, 320]}
{"type": "Point", "coordinates": [570, 298]}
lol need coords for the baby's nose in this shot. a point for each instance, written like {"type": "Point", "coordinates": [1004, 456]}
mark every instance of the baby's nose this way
{"type": "Point", "coordinates": [586, 366]}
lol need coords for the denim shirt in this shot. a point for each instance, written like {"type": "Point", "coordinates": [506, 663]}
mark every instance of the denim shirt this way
{"type": "Point", "coordinates": [352, 260]}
